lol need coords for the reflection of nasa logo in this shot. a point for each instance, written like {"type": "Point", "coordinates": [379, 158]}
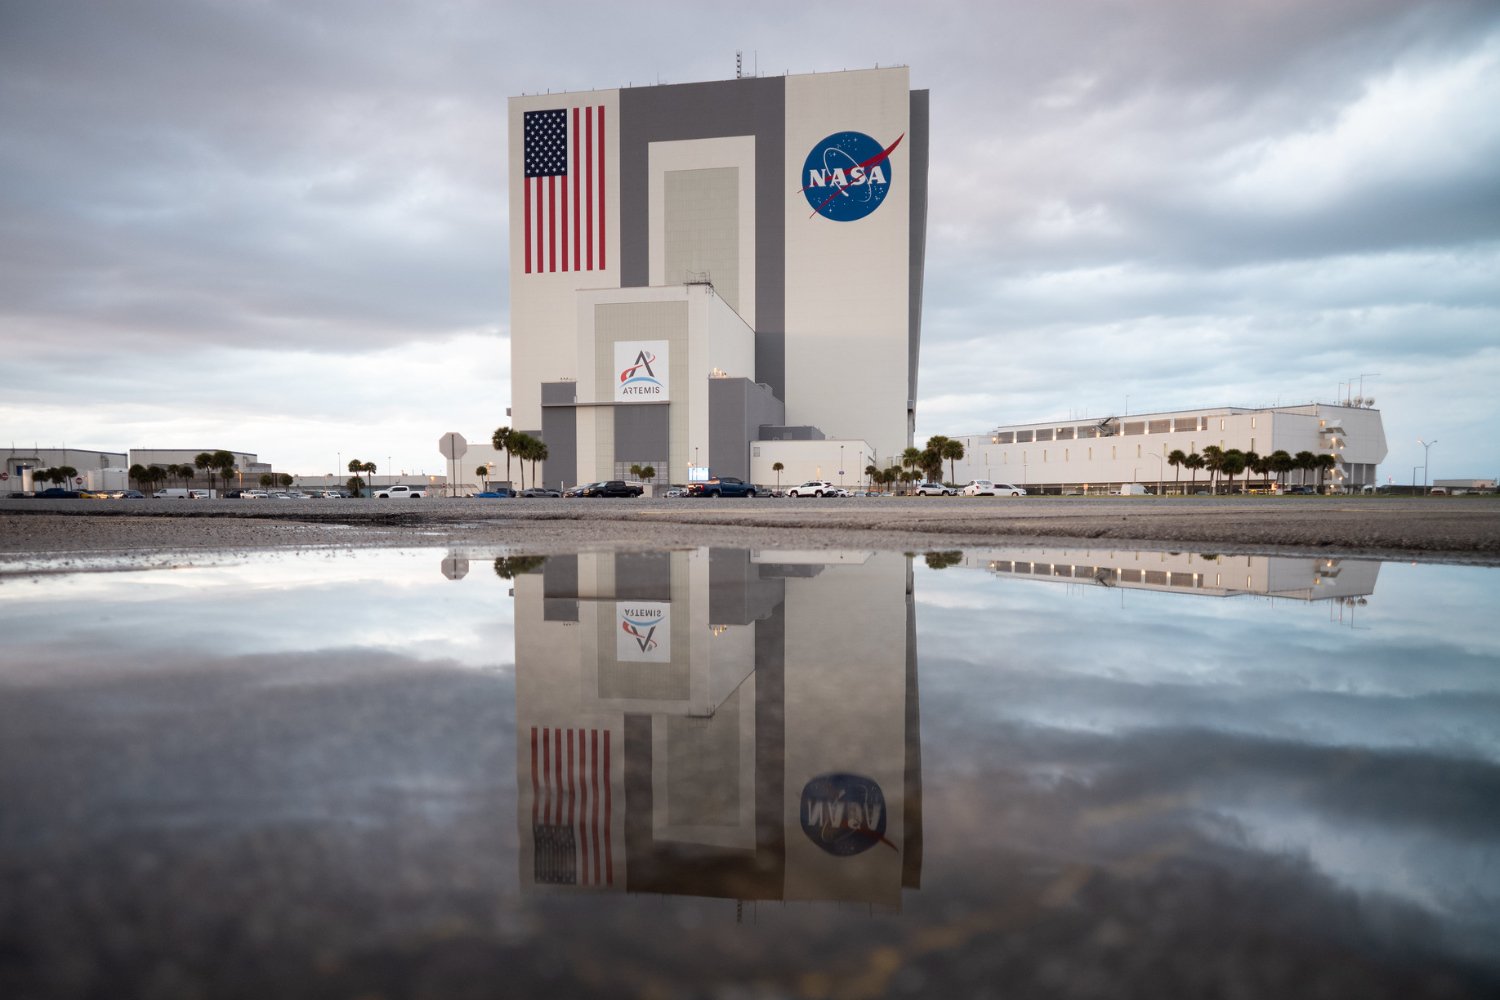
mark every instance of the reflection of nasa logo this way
{"type": "Point", "coordinates": [847, 176]}
{"type": "Point", "coordinates": [639, 379]}
{"type": "Point", "coordinates": [844, 814]}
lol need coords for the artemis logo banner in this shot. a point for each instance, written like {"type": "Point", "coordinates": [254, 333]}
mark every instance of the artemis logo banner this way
{"type": "Point", "coordinates": [644, 632]}
{"type": "Point", "coordinates": [641, 372]}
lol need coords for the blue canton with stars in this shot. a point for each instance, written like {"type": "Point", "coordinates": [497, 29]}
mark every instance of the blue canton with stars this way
{"type": "Point", "coordinates": [547, 143]}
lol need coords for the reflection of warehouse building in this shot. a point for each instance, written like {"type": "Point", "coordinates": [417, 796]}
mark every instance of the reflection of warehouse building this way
{"type": "Point", "coordinates": [718, 275]}
{"type": "Point", "coordinates": [1209, 575]}
{"type": "Point", "coordinates": [1101, 453]}
{"type": "Point", "coordinates": [719, 723]}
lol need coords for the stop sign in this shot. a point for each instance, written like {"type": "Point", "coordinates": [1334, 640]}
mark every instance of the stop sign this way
{"type": "Point", "coordinates": [452, 445]}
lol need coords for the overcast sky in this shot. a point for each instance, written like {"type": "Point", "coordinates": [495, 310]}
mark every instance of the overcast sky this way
{"type": "Point", "coordinates": [280, 226]}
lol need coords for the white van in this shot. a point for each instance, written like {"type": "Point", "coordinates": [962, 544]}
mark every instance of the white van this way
{"type": "Point", "coordinates": [171, 494]}
{"type": "Point", "coordinates": [1130, 490]}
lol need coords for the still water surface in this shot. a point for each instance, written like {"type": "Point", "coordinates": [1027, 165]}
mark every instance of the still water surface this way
{"type": "Point", "coordinates": [731, 773]}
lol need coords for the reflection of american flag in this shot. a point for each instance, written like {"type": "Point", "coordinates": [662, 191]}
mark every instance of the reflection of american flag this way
{"type": "Point", "coordinates": [563, 215]}
{"type": "Point", "coordinates": [570, 789]}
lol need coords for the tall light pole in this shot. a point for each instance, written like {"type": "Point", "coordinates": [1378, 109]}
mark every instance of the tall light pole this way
{"type": "Point", "coordinates": [1426, 446]}
{"type": "Point", "coordinates": [841, 466]}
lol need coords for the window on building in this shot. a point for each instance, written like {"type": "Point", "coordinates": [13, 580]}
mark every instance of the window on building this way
{"type": "Point", "coordinates": [1044, 434]}
{"type": "Point", "coordinates": [1137, 451]}
{"type": "Point", "coordinates": [1135, 427]}
{"type": "Point", "coordinates": [1159, 427]}
{"type": "Point", "coordinates": [1065, 433]}
{"type": "Point", "coordinates": [1112, 452]}
{"type": "Point", "coordinates": [1221, 423]}
{"type": "Point", "coordinates": [1005, 437]}
{"type": "Point", "coordinates": [1065, 454]}
{"type": "Point", "coordinates": [1022, 437]}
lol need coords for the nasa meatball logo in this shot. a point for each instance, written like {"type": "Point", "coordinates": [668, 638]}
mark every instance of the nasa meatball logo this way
{"type": "Point", "coordinates": [844, 814]}
{"type": "Point", "coordinates": [848, 175]}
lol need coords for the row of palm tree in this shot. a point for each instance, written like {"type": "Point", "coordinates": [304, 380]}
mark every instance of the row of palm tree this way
{"type": "Point", "coordinates": [1231, 462]}
{"type": "Point", "coordinates": [524, 447]}
{"type": "Point", "coordinates": [356, 485]}
{"type": "Point", "coordinates": [217, 464]}
{"type": "Point", "coordinates": [56, 475]}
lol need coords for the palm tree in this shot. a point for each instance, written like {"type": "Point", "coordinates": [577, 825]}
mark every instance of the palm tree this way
{"type": "Point", "coordinates": [267, 481]}
{"type": "Point", "coordinates": [1232, 463]}
{"type": "Point", "coordinates": [871, 471]}
{"type": "Point", "coordinates": [1325, 463]}
{"type": "Point", "coordinates": [953, 451]}
{"type": "Point", "coordinates": [137, 474]}
{"type": "Point", "coordinates": [285, 479]}
{"type": "Point", "coordinates": [911, 458]}
{"type": "Point", "coordinates": [481, 473]}
{"type": "Point", "coordinates": [1281, 463]}
{"type": "Point", "coordinates": [224, 462]}
{"type": "Point", "coordinates": [204, 461]}
{"type": "Point", "coordinates": [892, 475]}
{"type": "Point", "coordinates": [1213, 461]}
{"type": "Point", "coordinates": [1304, 463]}
{"type": "Point", "coordinates": [648, 472]}
{"type": "Point", "coordinates": [1252, 461]}
{"type": "Point", "coordinates": [1176, 459]}
{"type": "Point", "coordinates": [501, 442]}
{"type": "Point", "coordinates": [778, 468]}
{"type": "Point", "coordinates": [1194, 462]}
{"type": "Point", "coordinates": [635, 470]}
{"type": "Point", "coordinates": [185, 473]}
{"type": "Point", "coordinates": [518, 444]}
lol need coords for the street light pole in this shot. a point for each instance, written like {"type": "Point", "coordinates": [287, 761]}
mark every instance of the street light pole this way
{"type": "Point", "coordinates": [1426, 446]}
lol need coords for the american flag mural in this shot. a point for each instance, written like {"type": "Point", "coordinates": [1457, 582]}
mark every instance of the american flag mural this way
{"type": "Point", "coordinates": [572, 808]}
{"type": "Point", "coordinates": [563, 213]}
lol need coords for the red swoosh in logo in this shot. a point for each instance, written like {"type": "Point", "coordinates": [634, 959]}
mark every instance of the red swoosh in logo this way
{"type": "Point", "coordinates": [879, 157]}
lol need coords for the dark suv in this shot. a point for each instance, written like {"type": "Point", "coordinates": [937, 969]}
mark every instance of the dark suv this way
{"type": "Point", "coordinates": [611, 488]}
{"type": "Point", "coordinates": [722, 486]}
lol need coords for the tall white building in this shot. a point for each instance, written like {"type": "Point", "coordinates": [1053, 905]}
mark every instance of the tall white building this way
{"type": "Point", "coordinates": [697, 269]}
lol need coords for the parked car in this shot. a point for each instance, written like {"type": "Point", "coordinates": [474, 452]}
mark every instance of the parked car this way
{"type": "Point", "coordinates": [1294, 491]}
{"type": "Point", "coordinates": [577, 491]}
{"type": "Point", "coordinates": [837, 491]}
{"type": "Point", "coordinates": [498, 494]}
{"type": "Point", "coordinates": [811, 488]}
{"type": "Point", "coordinates": [934, 490]}
{"type": "Point", "coordinates": [612, 488]}
{"type": "Point", "coordinates": [58, 493]}
{"type": "Point", "coordinates": [676, 491]}
{"type": "Point", "coordinates": [985, 488]}
{"type": "Point", "coordinates": [722, 486]}
{"type": "Point", "coordinates": [400, 492]}
{"type": "Point", "coordinates": [538, 492]}
{"type": "Point", "coordinates": [128, 495]}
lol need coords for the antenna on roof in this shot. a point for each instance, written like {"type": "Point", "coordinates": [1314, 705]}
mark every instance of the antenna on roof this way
{"type": "Point", "coordinates": [739, 63]}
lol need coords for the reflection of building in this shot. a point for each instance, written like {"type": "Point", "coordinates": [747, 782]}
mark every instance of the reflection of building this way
{"type": "Point", "coordinates": [719, 723]}
{"type": "Point", "coordinates": [1095, 453]}
{"type": "Point", "coordinates": [1211, 575]}
{"type": "Point", "coordinates": [697, 267]}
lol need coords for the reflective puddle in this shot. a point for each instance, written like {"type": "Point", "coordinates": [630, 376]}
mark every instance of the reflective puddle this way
{"type": "Point", "coordinates": [751, 773]}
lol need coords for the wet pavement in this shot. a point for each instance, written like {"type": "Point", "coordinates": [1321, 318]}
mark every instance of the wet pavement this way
{"type": "Point", "coordinates": [751, 772]}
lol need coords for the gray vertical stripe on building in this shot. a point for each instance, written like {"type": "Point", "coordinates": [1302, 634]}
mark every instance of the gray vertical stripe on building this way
{"type": "Point", "coordinates": [918, 256]}
{"type": "Point", "coordinates": [755, 107]}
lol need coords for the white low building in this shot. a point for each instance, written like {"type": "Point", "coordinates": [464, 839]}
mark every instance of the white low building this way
{"type": "Point", "coordinates": [1101, 454]}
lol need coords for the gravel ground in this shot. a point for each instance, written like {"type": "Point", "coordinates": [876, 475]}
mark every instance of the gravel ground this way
{"type": "Point", "coordinates": [167, 532]}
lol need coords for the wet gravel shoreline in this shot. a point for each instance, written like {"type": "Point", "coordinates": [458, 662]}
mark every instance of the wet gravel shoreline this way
{"type": "Point", "coordinates": [1465, 530]}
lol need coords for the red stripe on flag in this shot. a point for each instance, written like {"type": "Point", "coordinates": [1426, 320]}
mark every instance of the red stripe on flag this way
{"type": "Point", "coordinates": [547, 773]}
{"type": "Point", "coordinates": [563, 228]}
{"type": "Point", "coordinates": [570, 777]}
{"type": "Point", "coordinates": [601, 187]}
{"type": "Point", "coordinates": [609, 854]}
{"type": "Point", "coordinates": [527, 228]}
{"type": "Point", "coordinates": [594, 777]}
{"type": "Point", "coordinates": [573, 173]}
{"type": "Point", "coordinates": [534, 801]}
{"type": "Point", "coordinates": [583, 806]}
{"type": "Point", "coordinates": [552, 223]}
{"type": "Point", "coordinates": [588, 186]}
{"type": "Point", "coordinates": [557, 735]}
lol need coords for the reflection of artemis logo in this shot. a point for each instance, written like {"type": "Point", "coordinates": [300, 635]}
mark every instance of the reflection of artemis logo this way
{"type": "Point", "coordinates": [848, 175]}
{"type": "Point", "coordinates": [640, 624]}
{"type": "Point", "coordinates": [844, 814]}
{"type": "Point", "coordinates": [640, 379]}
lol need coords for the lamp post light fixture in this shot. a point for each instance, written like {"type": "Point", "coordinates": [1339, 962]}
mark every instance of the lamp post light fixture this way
{"type": "Point", "coordinates": [1426, 447]}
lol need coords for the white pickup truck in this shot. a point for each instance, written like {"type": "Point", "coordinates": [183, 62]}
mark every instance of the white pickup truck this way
{"type": "Point", "coordinates": [392, 492]}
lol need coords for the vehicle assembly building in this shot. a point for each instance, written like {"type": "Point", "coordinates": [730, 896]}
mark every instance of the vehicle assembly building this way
{"type": "Point", "coordinates": [701, 272]}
